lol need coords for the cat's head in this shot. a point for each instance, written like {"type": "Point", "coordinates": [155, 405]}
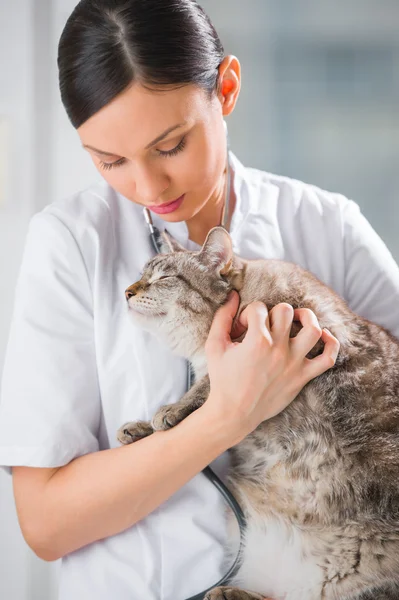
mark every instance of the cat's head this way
{"type": "Point", "coordinates": [180, 290]}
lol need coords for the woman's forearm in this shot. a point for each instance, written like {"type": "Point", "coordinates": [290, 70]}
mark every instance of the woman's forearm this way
{"type": "Point", "coordinates": [103, 493]}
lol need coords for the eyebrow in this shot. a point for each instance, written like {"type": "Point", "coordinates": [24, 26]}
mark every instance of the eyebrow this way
{"type": "Point", "coordinates": [156, 141]}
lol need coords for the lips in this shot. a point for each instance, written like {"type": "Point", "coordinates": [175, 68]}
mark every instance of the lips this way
{"type": "Point", "coordinates": [165, 203]}
{"type": "Point", "coordinates": [168, 207]}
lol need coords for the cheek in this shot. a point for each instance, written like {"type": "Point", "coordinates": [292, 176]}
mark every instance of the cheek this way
{"type": "Point", "coordinates": [118, 179]}
{"type": "Point", "coordinates": [203, 167]}
{"type": "Point", "coordinates": [122, 181]}
{"type": "Point", "coordinates": [213, 156]}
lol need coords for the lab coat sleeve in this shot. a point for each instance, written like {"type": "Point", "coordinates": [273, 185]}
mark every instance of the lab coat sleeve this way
{"type": "Point", "coordinates": [371, 273]}
{"type": "Point", "coordinates": [49, 395]}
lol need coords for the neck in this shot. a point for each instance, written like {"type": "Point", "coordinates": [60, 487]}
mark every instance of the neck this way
{"type": "Point", "coordinates": [211, 214]}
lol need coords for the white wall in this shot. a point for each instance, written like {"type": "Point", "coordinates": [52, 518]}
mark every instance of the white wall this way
{"type": "Point", "coordinates": [16, 96]}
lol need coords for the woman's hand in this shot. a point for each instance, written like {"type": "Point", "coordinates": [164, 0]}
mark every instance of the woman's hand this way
{"type": "Point", "coordinates": [255, 379]}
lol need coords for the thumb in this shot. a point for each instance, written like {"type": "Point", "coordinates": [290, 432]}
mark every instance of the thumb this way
{"type": "Point", "coordinates": [219, 333]}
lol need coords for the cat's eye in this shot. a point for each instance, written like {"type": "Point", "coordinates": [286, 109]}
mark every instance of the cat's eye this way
{"type": "Point", "coordinates": [164, 277]}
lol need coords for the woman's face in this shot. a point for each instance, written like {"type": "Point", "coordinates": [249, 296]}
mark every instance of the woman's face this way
{"type": "Point", "coordinates": [150, 166]}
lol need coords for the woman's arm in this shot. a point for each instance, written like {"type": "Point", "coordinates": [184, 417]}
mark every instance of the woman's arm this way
{"type": "Point", "coordinates": [103, 493]}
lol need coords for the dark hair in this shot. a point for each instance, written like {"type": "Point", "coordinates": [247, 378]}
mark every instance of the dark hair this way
{"type": "Point", "coordinates": [106, 45]}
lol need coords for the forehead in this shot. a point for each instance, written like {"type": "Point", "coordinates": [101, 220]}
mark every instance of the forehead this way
{"type": "Point", "coordinates": [137, 116]}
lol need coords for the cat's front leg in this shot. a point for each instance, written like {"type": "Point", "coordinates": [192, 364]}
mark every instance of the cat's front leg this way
{"type": "Point", "coordinates": [133, 431]}
{"type": "Point", "coordinates": [170, 415]}
{"type": "Point", "coordinates": [167, 416]}
{"type": "Point", "coordinates": [232, 593]}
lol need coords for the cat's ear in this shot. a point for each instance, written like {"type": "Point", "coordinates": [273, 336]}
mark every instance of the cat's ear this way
{"type": "Point", "coordinates": [168, 243]}
{"type": "Point", "coordinates": [217, 251]}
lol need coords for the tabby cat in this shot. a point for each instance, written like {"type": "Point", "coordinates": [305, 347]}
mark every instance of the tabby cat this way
{"type": "Point", "coordinates": [319, 482]}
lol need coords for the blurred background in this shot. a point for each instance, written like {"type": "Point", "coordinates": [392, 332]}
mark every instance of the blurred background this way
{"type": "Point", "coordinates": [319, 102]}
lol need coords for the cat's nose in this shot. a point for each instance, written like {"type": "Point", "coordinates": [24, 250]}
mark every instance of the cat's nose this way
{"type": "Point", "coordinates": [132, 290]}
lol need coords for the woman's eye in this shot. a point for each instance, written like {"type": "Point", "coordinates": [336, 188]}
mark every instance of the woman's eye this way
{"type": "Point", "coordinates": [118, 163]}
{"type": "Point", "coordinates": [180, 146]}
{"type": "Point", "coordinates": [106, 166]}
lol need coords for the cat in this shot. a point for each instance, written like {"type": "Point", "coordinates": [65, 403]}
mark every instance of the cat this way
{"type": "Point", "coordinates": [319, 482]}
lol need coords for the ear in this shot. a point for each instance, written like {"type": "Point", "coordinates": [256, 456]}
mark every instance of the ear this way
{"type": "Point", "coordinates": [168, 243]}
{"type": "Point", "coordinates": [217, 251]}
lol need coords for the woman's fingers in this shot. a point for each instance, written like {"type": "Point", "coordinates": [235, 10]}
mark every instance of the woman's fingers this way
{"type": "Point", "coordinates": [310, 332]}
{"type": "Point", "coordinates": [307, 338]}
{"type": "Point", "coordinates": [264, 329]}
{"type": "Point", "coordinates": [281, 317]}
{"type": "Point", "coordinates": [256, 379]}
{"type": "Point", "coordinates": [321, 363]}
{"type": "Point", "coordinates": [255, 318]}
{"type": "Point", "coordinates": [219, 333]}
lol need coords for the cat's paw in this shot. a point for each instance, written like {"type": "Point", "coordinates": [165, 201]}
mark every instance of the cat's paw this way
{"type": "Point", "coordinates": [134, 431]}
{"type": "Point", "coordinates": [169, 416]}
{"type": "Point", "coordinates": [231, 593]}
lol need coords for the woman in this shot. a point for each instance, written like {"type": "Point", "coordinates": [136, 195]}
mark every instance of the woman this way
{"type": "Point", "coordinates": [147, 86]}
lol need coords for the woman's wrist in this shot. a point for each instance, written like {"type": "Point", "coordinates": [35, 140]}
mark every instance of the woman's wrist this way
{"type": "Point", "coordinates": [225, 429]}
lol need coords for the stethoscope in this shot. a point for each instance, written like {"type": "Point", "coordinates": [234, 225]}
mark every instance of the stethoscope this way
{"type": "Point", "coordinates": [154, 235]}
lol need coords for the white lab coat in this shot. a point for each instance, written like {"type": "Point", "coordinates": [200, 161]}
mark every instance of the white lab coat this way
{"type": "Point", "coordinates": [76, 367]}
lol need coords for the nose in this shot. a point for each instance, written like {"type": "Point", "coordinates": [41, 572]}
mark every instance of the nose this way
{"type": "Point", "coordinates": [132, 290]}
{"type": "Point", "coordinates": [150, 184]}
